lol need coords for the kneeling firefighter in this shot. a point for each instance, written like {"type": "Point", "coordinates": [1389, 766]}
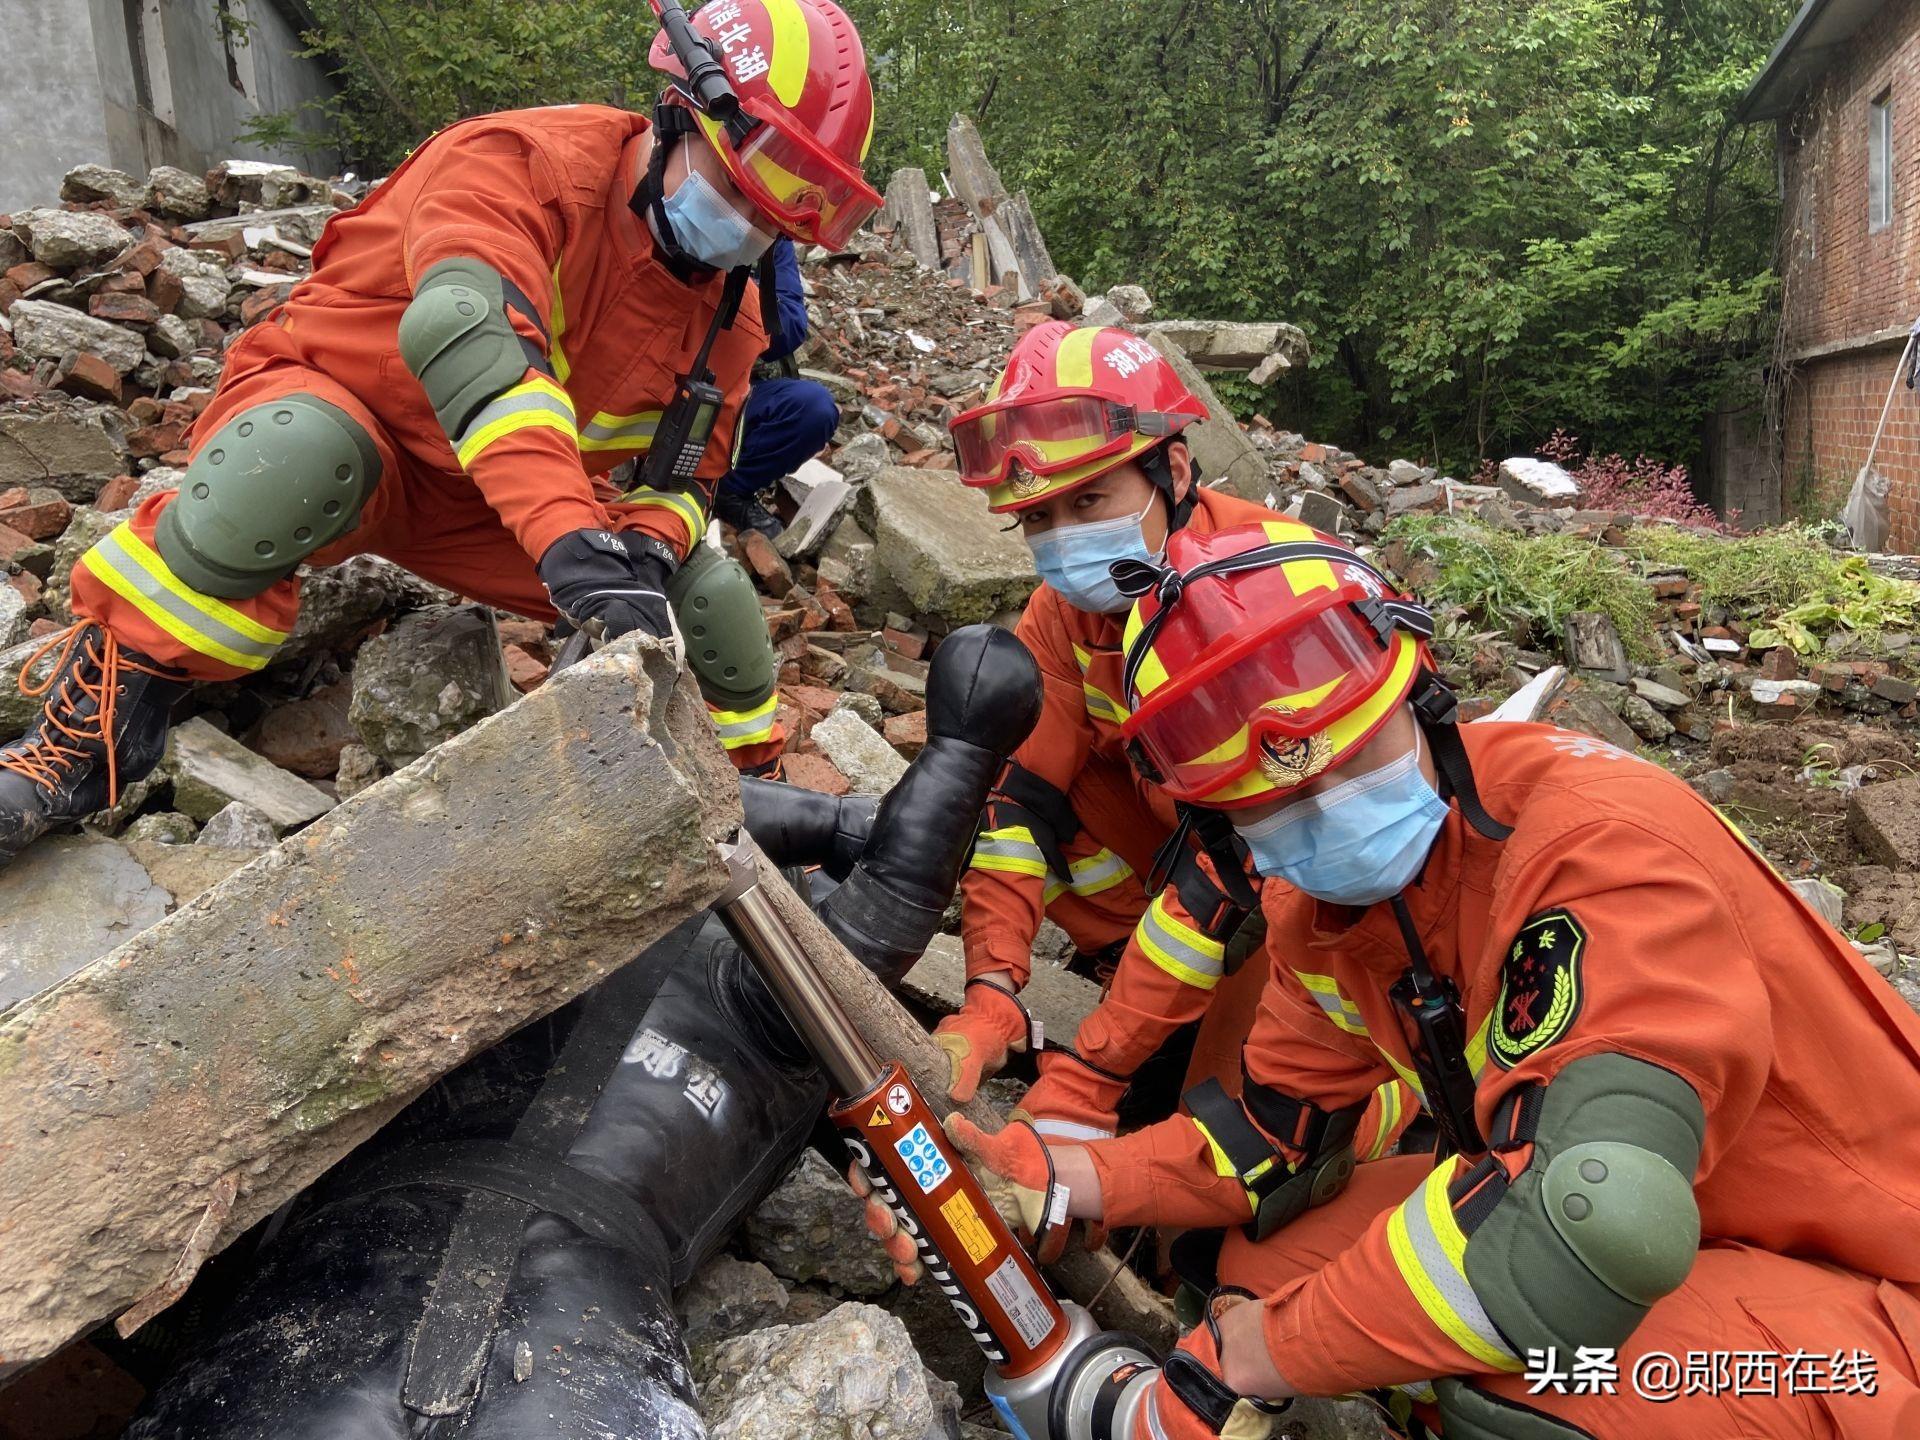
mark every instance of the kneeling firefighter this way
{"type": "Point", "coordinates": [1080, 442]}
{"type": "Point", "coordinates": [1679, 1114]}
{"type": "Point", "coordinates": [531, 299]}
{"type": "Point", "coordinates": [499, 1262]}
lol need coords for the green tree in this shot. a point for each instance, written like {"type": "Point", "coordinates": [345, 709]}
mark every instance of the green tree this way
{"type": "Point", "coordinates": [1494, 219]}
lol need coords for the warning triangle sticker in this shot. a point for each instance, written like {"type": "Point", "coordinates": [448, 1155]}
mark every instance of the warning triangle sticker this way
{"type": "Point", "coordinates": [880, 1117]}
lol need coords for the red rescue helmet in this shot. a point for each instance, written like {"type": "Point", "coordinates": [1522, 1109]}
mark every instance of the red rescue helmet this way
{"type": "Point", "coordinates": [1260, 656]}
{"type": "Point", "coordinates": [1072, 403]}
{"type": "Point", "coordinates": [799, 70]}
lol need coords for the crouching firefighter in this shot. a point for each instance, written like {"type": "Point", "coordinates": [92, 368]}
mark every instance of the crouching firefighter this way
{"type": "Point", "coordinates": [530, 300]}
{"type": "Point", "coordinates": [1081, 442]}
{"type": "Point", "coordinates": [1680, 1116]}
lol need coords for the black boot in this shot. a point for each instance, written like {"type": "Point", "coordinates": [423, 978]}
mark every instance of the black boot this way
{"type": "Point", "coordinates": [104, 725]}
{"type": "Point", "coordinates": [745, 512]}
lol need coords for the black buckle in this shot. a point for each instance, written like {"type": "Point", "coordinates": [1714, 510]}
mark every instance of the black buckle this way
{"type": "Point", "coordinates": [1434, 699]}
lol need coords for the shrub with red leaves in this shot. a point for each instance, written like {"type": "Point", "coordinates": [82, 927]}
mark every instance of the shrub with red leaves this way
{"type": "Point", "coordinates": [1642, 486]}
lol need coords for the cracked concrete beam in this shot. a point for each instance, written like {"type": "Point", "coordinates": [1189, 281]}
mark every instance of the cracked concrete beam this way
{"type": "Point", "coordinates": [220, 1061]}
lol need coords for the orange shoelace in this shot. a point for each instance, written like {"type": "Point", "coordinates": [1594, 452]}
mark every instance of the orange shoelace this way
{"type": "Point", "coordinates": [46, 759]}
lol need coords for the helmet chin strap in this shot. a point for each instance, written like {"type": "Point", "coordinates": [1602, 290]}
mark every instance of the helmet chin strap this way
{"type": "Point", "coordinates": [1159, 470]}
{"type": "Point", "coordinates": [671, 125]}
{"type": "Point", "coordinates": [1437, 713]}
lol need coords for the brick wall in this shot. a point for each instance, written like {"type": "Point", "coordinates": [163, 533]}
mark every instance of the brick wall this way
{"type": "Point", "coordinates": [1831, 408]}
{"type": "Point", "coordinates": [1842, 283]}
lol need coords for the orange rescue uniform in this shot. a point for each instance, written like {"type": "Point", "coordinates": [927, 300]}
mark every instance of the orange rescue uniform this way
{"type": "Point", "coordinates": [1170, 968]}
{"type": "Point", "coordinates": [541, 197]}
{"type": "Point", "coordinates": [1693, 955]}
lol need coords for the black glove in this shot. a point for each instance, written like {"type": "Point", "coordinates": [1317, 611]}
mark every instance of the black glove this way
{"type": "Point", "coordinates": [619, 580]}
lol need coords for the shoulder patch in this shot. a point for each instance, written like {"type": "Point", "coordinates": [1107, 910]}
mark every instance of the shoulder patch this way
{"type": "Point", "coordinates": [1541, 987]}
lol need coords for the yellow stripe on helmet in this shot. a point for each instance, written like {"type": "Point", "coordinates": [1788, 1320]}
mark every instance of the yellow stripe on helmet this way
{"type": "Point", "coordinates": [790, 51]}
{"type": "Point", "coordinates": [1073, 360]}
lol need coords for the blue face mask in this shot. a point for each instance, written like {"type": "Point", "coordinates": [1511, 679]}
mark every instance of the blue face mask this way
{"type": "Point", "coordinates": [1360, 842]}
{"type": "Point", "coordinates": [1075, 559]}
{"type": "Point", "coordinates": [710, 229]}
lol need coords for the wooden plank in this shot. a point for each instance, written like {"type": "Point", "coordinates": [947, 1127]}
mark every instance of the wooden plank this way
{"type": "Point", "coordinates": [164, 1098]}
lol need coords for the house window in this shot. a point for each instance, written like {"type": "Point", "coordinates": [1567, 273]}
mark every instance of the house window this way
{"type": "Point", "coordinates": [1880, 162]}
{"type": "Point", "coordinates": [147, 51]}
{"type": "Point", "coordinates": [236, 36]}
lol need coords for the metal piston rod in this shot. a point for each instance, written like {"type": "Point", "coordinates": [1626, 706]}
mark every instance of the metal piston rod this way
{"type": "Point", "coordinates": [852, 1066]}
{"type": "Point", "coordinates": [1051, 1364]}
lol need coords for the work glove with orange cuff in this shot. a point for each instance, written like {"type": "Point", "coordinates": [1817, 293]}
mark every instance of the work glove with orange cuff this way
{"type": "Point", "coordinates": [1190, 1400]}
{"type": "Point", "coordinates": [991, 1022]}
{"type": "Point", "coordinates": [1015, 1153]}
{"type": "Point", "coordinates": [1074, 1100]}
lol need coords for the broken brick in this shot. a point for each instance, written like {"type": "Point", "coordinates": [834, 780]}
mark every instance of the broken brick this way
{"type": "Point", "coordinates": [525, 671]}
{"type": "Point", "coordinates": [12, 542]}
{"type": "Point", "coordinates": [263, 303]}
{"type": "Point", "coordinates": [116, 493]}
{"type": "Point", "coordinates": [765, 563]}
{"type": "Point", "coordinates": [156, 439]}
{"type": "Point", "coordinates": [1780, 663]}
{"type": "Point", "coordinates": [30, 273]}
{"type": "Point", "coordinates": [123, 309]}
{"type": "Point", "coordinates": [914, 647]}
{"type": "Point", "coordinates": [812, 771]}
{"type": "Point", "coordinates": [28, 586]}
{"type": "Point", "coordinates": [814, 701]}
{"type": "Point", "coordinates": [85, 374]}
{"type": "Point", "coordinates": [45, 519]}
{"type": "Point", "coordinates": [165, 291]}
{"type": "Point", "coordinates": [784, 624]}
{"type": "Point", "coordinates": [906, 733]}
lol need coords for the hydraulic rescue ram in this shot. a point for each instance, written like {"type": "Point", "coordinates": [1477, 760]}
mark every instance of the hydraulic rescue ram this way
{"type": "Point", "coordinates": [1055, 1375]}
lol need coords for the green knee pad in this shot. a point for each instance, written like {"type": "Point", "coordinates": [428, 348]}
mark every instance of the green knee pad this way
{"type": "Point", "coordinates": [726, 634]}
{"type": "Point", "coordinates": [1468, 1413]}
{"type": "Point", "coordinates": [277, 482]}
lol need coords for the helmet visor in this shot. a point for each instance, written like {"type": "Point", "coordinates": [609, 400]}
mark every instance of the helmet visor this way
{"type": "Point", "coordinates": [1045, 436]}
{"type": "Point", "coordinates": [784, 170]}
{"type": "Point", "coordinates": [1263, 702]}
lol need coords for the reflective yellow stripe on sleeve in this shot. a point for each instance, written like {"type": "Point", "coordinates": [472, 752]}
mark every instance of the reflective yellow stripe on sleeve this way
{"type": "Point", "coordinates": [535, 403]}
{"type": "Point", "coordinates": [133, 570]}
{"type": "Point", "coordinates": [1100, 705]}
{"type": "Point", "coordinates": [1327, 994]}
{"type": "Point", "coordinates": [1388, 1111]}
{"type": "Point", "coordinates": [1010, 850]}
{"type": "Point", "coordinates": [1226, 1169]}
{"type": "Point", "coordinates": [557, 319]}
{"type": "Point", "coordinates": [680, 502]}
{"type": "Point", "coordinates": [1178, 948]}
{"type": "Point", "coordinates": [1099, 871]}
{"type": "Point", "coordinates": [740, 728]}
{"type": "Point", "coordinates": [620, 432]}
{"type": "Point", "coordinates": [1429, 1249]}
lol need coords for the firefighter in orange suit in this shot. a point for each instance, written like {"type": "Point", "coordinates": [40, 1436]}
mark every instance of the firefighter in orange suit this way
{"type": "Point", "coordinates": [482, 340]}
{"type": "Point", "coordinates": [1681, 1117]}
{"type": "Point", "coordinates": [1080, 442]}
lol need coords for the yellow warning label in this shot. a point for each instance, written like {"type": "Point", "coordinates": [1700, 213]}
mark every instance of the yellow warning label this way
{"type": "Point", "coordinates": [880, 1117]}
{"type": "Point", "coordinates": [966, 1224]}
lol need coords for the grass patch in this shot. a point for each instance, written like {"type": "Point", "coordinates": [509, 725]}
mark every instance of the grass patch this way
{"type": "Point", "coordinates": [1787, 583]}
{"type": "Point", "coordinates": [1527, 583]}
